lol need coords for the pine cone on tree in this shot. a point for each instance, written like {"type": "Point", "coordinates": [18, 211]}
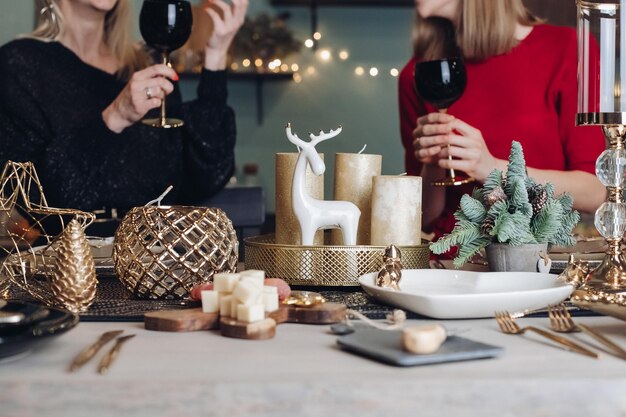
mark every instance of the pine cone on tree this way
{"type": "Point", "coordinates": [73, 281]}
{"type": "Point", "coordinates": [487, 225]}
{"type": "Point", "coordinates": [538, 197]}
{"type": "Point", "coordinates": [497, 194]}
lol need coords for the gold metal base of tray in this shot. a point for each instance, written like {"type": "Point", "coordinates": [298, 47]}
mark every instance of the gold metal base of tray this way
{"type": "Point", "coordinates": [324, 265]}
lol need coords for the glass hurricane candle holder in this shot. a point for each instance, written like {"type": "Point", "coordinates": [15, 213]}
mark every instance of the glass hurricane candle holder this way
{"type": "Point", "coordinates": [601, 81]}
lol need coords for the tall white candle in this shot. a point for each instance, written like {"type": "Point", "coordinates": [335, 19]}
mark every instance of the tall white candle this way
{"type": "Point", "coordinates": [607, 65]}
{"type": "Point", "coordinates": [622, 55]}
{"type": "Point", "coordinates": [353, 182]}
{"type": "Point", "coordinates": [396, 210]}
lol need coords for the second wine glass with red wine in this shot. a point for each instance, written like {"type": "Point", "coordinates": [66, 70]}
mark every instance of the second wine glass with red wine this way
{"type": "Point", "coordinates": [165, 26]}
{"type": "Point", "coordinates": [442, 82]}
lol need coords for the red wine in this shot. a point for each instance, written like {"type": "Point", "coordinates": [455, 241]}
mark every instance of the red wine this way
{"type": "Point", "coordinates": [440, 82]}
{"type": "Point", "coordinates": [165, 24]}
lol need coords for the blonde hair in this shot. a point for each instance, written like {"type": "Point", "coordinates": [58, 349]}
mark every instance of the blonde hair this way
{"type": "Point", "coordinates": [117, 34]}
{"type": "Point", "coordinates": [486, 28]}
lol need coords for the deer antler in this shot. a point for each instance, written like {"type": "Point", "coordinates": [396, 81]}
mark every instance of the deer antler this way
{"type": "Point", "coordinates": [293, 138]}
{"type": "Point", "coordinates": [315, 139]}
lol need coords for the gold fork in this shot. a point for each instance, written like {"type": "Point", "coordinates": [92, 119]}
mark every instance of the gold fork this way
{"type": "Point", "coordinates": [111, 355]}
{"type": "Point", "coordinates": [508, 325]}
{"type": "Point", "coordinates": [561, 321]}
{"type": "Point", "coordinates": [91, 350]}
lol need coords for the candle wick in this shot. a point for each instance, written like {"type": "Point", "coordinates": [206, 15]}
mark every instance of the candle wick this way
{"type": "Point", "coordinates": [161, 197]}
{"type": "Point", "coordinates": [362, 149]}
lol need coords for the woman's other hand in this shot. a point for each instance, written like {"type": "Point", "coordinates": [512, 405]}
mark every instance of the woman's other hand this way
{"type": "Point", "coordinates": [143, 92]}
{"type": "Point", "coordinates": [225, 27]}
{"type": "Point", "coordinates": [430, 137]}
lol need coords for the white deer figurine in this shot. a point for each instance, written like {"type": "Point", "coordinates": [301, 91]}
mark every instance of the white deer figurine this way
{"type": "Point", "coordinates": [316, 214]}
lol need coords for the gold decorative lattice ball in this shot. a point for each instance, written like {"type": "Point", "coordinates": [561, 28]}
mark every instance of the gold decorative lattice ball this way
{"type": "Point", "coordinates": [161, 252]}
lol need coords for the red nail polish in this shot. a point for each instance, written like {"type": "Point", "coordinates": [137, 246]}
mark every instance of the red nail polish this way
{"type": "Point", "coordinates": [175, 78]}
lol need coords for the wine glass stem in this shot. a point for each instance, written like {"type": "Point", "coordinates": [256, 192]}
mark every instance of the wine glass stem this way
{"type": "Point", "coordinates": [450, 170]}
{"type": "Point", "coordinates": [165, 61]}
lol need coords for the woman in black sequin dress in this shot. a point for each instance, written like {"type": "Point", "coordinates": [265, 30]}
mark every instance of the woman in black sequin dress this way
{"type": "Point", "coordinates": [73, 91]}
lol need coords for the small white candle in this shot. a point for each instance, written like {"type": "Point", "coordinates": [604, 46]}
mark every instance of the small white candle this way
{"type": "Point", "coordinates": [396, 210]}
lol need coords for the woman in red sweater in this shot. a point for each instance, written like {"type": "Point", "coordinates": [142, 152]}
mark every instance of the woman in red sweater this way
{"type": "Point", "coordinates": [521, 85]}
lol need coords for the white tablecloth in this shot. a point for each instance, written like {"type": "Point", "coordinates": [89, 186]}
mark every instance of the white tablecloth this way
{"type": "Point", "coordinates": [302, 372]}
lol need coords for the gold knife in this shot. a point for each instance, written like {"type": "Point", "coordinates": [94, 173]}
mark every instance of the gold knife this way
{"type": "Point", "coordinates": [111, 355]}
{"type": "Point", "coordinates": [89, 352]}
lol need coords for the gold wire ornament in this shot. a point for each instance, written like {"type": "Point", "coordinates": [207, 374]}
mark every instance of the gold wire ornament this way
{"type": "Point", "coordinates": [26, 216]}
{"type": "Point", "coordinates": [161, 252]}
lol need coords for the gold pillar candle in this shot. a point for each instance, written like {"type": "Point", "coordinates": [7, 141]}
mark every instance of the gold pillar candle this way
{"type": "Point", "coordinates": [396, 210]}
{"type": "Point", "coordinates": [353, 182]}
{"type": "Point", "coordinates": [287, 225]}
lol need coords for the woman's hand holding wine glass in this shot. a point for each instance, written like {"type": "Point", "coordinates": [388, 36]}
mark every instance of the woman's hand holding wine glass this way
{"type": "Point", "coordinates": [441, 82]}
{"type": "Point", "coordinates": [144, 91]}
{"type": "Point", "coordinates": [225, 26]}
{"type": "Point", "coordinates": [450, 143]}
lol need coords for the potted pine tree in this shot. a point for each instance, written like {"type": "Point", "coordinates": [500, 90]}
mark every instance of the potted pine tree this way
{"type": "Point", "coordinates": [512, 217]}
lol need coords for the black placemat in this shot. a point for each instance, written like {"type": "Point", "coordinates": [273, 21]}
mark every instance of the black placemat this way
{"type": "Point", "coordinates": [114, 303]}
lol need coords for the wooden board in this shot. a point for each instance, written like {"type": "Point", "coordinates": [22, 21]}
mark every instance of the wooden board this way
{"type": "Point", "coordinates": [187, 320]}
{"type": "Point", "coordinates": [259, 330]}
{"type": "Point", "coordinates": [326, 313]}
{"type": "Point", "coordinates": [281, 315]}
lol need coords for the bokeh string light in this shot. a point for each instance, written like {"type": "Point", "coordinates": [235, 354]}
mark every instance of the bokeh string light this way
{"type": "Point", "coordinates": [323, 56]}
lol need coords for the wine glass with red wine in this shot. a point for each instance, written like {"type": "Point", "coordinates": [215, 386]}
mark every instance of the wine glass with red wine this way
{"type": "Point", "coordinates": [441, 83]}
{"type": "Point", "coordinates": [165, 26]}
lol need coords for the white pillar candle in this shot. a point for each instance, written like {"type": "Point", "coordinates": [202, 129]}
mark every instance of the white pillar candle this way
{"type": "Point", "coordinates": [622, 55]}
{"type": "Point", "coordinates": [607, 65]}
{"type": "Point", "coordinates": [353, 182]}
{"type": "Point", "coordinates": [396, 210]}
{"type": "Point", "coordinates": [287, 225]}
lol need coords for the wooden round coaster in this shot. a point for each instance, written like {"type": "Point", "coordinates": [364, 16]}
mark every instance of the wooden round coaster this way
{"type": "Point", "coordinates": [184, 320]}
{"type": "Point", "coordinates": [258, 330]}
{"type": "Point", "coordinates": [326, 313]}
{"type": "Point", "coordinates": [281, 315]}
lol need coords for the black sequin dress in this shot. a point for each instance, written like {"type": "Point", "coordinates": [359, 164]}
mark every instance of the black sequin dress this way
{"type": "Point", "coordinates": [51, 105]}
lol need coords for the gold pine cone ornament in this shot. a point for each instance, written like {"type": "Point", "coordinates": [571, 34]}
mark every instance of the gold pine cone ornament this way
{"type": "Point", "coordinates": [73, 281]}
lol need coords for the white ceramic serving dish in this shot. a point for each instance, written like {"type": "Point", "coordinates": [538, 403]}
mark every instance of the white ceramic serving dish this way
{"type": "Point", "coordinates": [453, 294]}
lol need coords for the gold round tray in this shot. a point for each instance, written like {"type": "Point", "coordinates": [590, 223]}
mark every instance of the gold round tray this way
{"type": "Point", "coordinates": [323, 265]}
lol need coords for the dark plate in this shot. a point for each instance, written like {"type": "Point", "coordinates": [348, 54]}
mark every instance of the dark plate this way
{"type": "Point", "coordinates": [23, 338]}
{"type": "Point", "coordinates": [15, 314]}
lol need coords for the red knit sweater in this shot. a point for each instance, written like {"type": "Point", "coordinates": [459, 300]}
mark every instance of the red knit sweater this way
{"type": "Point", "coordinates": [529, 95]}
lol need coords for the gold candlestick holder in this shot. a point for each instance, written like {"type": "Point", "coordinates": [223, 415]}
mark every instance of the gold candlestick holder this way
{"type": "Point", "coordinates": [609, 277]}
{"type": "Point", "coordinates": [601, 85]}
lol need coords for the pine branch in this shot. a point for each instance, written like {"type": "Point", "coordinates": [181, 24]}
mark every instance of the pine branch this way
{"type": "Point", "coordinates": [467, 251]}
{"type": "Point", "coordinates": [547, 222]}
{"type": "Point", "coordinates": [473, 209]}
{"type": "Point", "coordinates": [517, 164]}
{"type": "Point", "coordinates": [494, 179]}
{"type": "Point", "coordinates": [462, 234]}
{"type": "Point", "coordinates": [519, 197]}
{"type": "Point", "coordinates": [567, 201]}
{"type": "Point", "coordinates": [564, 237]}
{"type": "Point", "coordinates": [513, 228]}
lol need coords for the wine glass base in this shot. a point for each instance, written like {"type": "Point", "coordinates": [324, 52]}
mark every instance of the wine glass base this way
{"type": "Point", "coordinates": [165, 124]}
{"type": "Point", "coordinates": [452, 181]}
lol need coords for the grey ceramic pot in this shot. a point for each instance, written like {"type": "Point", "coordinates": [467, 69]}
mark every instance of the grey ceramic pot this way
{"type": "Point", "coordinates": [503, 257]}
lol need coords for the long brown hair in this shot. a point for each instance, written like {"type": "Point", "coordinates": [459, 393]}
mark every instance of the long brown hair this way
{"type": "Point", "coordinates": [486, 28]}
{"type": "Point", "coordinates": [117, 33]}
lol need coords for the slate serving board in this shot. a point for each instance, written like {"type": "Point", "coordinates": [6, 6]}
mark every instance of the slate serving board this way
{"type": "Point", "coordinates": [386, 346]}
